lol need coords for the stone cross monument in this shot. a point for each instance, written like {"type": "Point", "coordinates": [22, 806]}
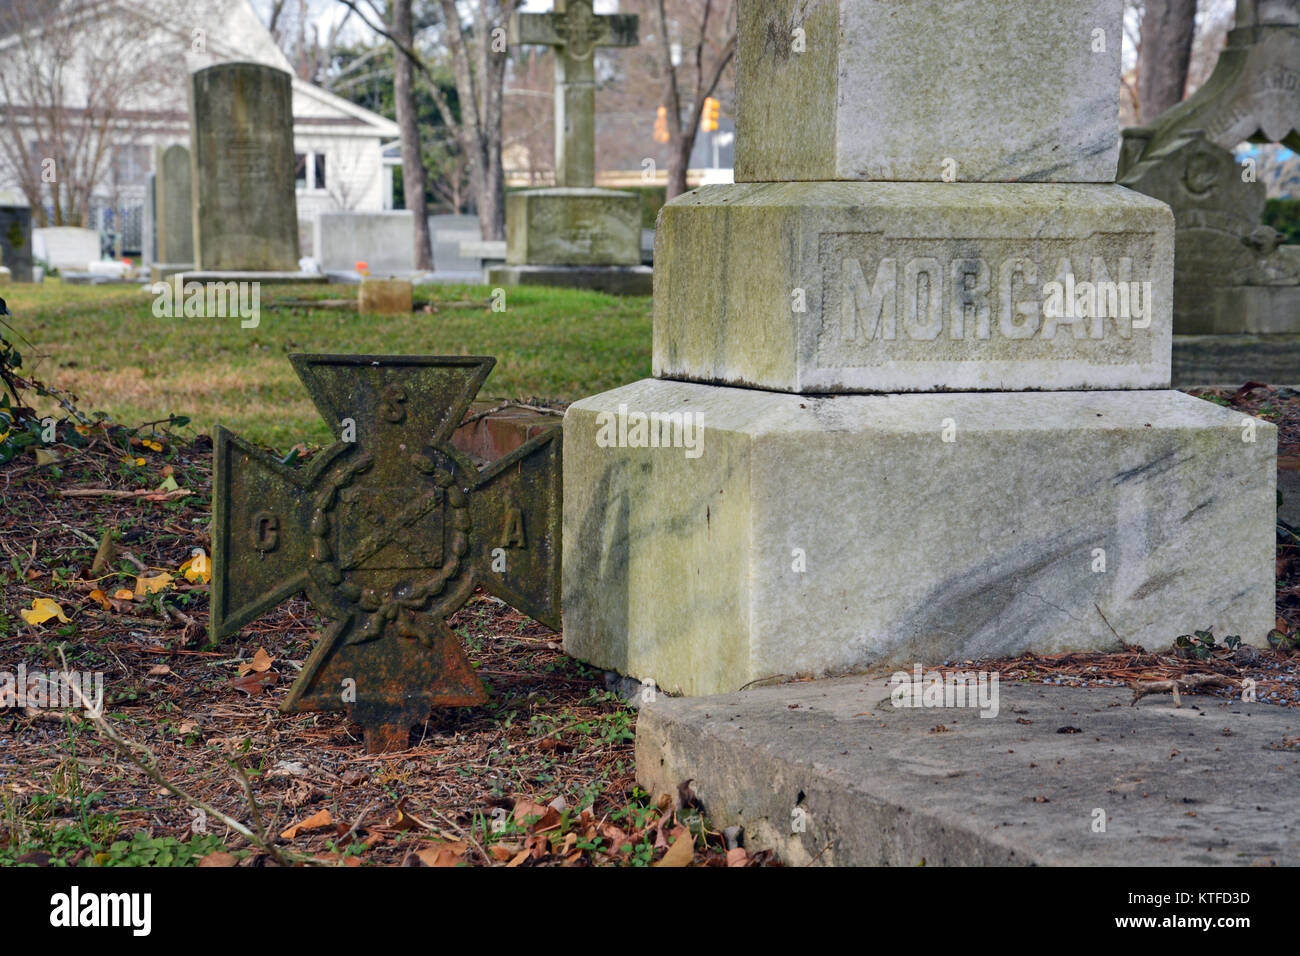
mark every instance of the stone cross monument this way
{"type": "Point", "coordinates": [911, 398]}
{"type": "Point", "coordinates": [574, 234]}
{"type": "Point", "coordinates": [574, 32]}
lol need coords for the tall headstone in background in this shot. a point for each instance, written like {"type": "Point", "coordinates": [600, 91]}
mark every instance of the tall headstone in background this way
{"type": "Point", "coordinates": [174, 207]}
{"type": "Point", "coordinates": [16, 242]}
{"type": "Point", "coordinates": [241, 141]}
{"type": "Point", "coordinates": [1236, 288]}
{"type": "Point", "coordinates": [944, 229]}
{"type": "Point", "coordinates": [574, 234]}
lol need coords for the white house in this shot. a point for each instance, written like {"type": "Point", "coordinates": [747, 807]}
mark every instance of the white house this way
{"type": "Point", "coordinates": [340, 146]}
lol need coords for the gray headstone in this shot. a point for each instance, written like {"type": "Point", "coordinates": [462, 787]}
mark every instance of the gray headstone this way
{"type": "Point", "coordinates": [385, 241]}
{"type": "Point", "coordinates": [174, 206]}
{"type": "Point", "coordinates": [241, 135]}
{"type": "Point", "coordinates": [447, 233]}
{"type": "Point", "coordinates": [67, 248]}
{"type": "Point", "coordinates": [149, 223]}
{"type": "Point", "coordinates": [16, 241]}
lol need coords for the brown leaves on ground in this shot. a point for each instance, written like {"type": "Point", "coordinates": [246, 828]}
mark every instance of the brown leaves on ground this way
{"type": "Point", "coordinates": [550, 728]}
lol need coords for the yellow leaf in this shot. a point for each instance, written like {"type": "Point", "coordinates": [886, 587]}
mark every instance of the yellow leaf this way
{"type": "Point", "coordinates": [158, 582]}
{"type": "Point", "coordinates": [197, 568]}
{"type": "Point", "coordinates": [42, 610]}
{"type": "Point", "coordinates": [681, 853]}
{"type": "Point", "coordinates": [46, 457]}
{"type": "Point", "coordinates": [169, 484]}
{"type": "Point", "coordinates": [151, 444]}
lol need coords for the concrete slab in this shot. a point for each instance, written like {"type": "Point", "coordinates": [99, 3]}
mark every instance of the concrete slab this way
{"type": "Point", "coordinates": [1212, 783]}
{"type": "Point", "coordinates": [266, 278]}
{"type": "Point", "coordinates": [615, 280]}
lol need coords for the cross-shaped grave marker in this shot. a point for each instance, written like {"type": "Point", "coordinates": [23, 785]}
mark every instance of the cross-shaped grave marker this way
{"type": "Point", "coordinates": [388, 531]}
{"type": "Point", "coordinates": [575, 32]}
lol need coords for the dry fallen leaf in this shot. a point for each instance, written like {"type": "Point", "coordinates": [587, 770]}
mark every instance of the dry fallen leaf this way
{"type": "Point", "coordinates": [446, 854]}
{"type": "Point", "coordinates": [148, 585]}
{"type": "Point", "coordinates": [100, 598]}
{"type": "Point", "coordinates": [219, 859]}
{"type": "Point", "coordinates": [681, 853]}
{"type": "Point", "coordinates": [122, 594]}
{"type": "Point", "coordinates": [318, 821]}
{"type": "Point", "coordinates": [253, 684]}
{"type": "Point", "coordinates": [159, 670]}
{"type": "Point", "coordinates": [42, 610]}
{"type": "Point", "coordinates": [261, 661]}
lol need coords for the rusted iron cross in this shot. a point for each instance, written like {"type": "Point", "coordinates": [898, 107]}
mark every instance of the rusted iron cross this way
{"type": "Point", "coordinates": [388, 531]}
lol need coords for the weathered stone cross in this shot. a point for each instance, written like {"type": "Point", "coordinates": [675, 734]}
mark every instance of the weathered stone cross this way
{"type": "Point", "coordinates": [388, 531]}
{"type": "Point", "coordinates": [575, 32]}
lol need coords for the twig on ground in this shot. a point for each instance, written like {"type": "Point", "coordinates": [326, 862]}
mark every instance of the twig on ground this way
{"type": "Point", "coordinates": [1191, 683]}
{"type": "Point", "coordinates": [95, 714]}
{"type": "Point", "coordinates": [143, 493]}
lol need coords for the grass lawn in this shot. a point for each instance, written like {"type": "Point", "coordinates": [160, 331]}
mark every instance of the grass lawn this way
{"type": "Point", "coordinates": [105, 344]}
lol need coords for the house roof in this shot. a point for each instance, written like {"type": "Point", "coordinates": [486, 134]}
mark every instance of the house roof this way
{"type": "Point", "coordinates": [234, 32]}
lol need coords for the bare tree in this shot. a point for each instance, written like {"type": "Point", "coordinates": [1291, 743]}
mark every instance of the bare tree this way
{"type": "Point", "coordinates": [297, 32]}
{"type": "Point", "coordinates": [72, 77]}
{"type": "Point", "coordinates": [1164, 54]}
{"type": "Point", "coordinates": [690, 72]}
{"type": "Point", "coordinates": [413, 173]}
{"type": "Point", "coordinates": [471, 36]}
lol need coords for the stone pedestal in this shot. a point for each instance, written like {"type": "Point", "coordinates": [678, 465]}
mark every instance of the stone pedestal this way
{"type": "Point", "coordinates": [771, 534]}
{"type": "Point", "coordinates": [573, 227]}
{"type": "Point", "coordinates": [576, 237]}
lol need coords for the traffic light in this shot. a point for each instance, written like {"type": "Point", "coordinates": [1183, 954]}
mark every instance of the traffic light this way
{"type": "Point", "coordinates": [709, 118]}
{"type": "Point", "coordinates": [661, 125]}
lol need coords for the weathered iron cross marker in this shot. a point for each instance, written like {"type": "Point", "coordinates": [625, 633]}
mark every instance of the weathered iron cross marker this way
{"type": "Point", "coordinates": [387, 531]}
{"type": "Point", "coordinates": [575, 32]}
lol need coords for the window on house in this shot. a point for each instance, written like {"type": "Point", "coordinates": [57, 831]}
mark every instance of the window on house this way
{"type": "Point", "coordinates": [130, 165]}
{"type": "Point", "coordinates": [309, 170]}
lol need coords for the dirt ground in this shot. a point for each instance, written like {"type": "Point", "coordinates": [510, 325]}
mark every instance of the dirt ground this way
{"type": "Point", "coordinates": [542, 775]}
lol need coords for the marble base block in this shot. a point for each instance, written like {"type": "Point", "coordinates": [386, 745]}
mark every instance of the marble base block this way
{"type": "Point", "coordinates": [792, 535]}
